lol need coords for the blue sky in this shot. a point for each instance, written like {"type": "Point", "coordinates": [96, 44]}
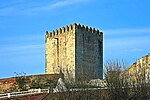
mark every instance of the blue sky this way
{"type": "Point", "coordinates": [125, 23]}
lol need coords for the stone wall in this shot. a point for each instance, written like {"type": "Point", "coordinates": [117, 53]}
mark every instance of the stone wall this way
{"type": "Point", "coordinates": [76, 51]}
{"type": "Point", "coordinates": [140, 70]}
{"type": "Point", "coordinates": [89, 53]}
{"type": "Point", "coordinates": [60, 52]}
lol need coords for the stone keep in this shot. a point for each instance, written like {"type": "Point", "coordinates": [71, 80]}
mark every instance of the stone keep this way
{"type": "Point", "coordinates": [76, 51]}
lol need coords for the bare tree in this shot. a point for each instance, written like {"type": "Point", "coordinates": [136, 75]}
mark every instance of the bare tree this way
{"type": "Point", "coordinates": [123, 86]}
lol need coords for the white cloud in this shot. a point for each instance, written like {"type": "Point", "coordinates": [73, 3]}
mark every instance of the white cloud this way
{"type": "Point", "coordinates": [127, 37]}
{"type": "Point", "coordinates": [134, 50]}
{"type": "Point", "coordinates": [56, 5]}
{"type": "Point", "coordinates": [24, 8]}
{"type": "Point", "coordinates": [25, 47]}
{"type": "Point", "coordinates": [22, 37]}
{"type": "Point", "coordinates": [21, 47]}
{"type": "Point", "coordinates": [21, 44]}
{"type": "Point", "coordinates": [118, 31]}
{"type": "Point", "coordinates": [22, 50]}
{"type": "Point", "coordinates": [6, 11]}
{"type": "Point", "coordinates": [123, 33]}
{"type": "Point", "coordinates": [127, 40]}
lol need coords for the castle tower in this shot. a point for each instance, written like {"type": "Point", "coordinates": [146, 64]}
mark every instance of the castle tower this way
{"type": "Point", "coordinates": [76, 51]}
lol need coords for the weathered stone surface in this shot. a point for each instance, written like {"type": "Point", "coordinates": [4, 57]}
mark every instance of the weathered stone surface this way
{"type": "Point", "coordinates": [77, 51]}
{"type": "Point", "coordinates": [140, 70]}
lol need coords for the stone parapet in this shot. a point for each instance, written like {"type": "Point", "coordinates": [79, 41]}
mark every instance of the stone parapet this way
{"type": "Point", "coordinates": [76, 50]}
{"type": "Point", "coordinates": [71, 27]}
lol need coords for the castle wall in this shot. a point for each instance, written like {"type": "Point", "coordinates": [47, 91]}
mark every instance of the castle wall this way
{"type": "Point", "coordinates": [140, 70]}
{"type": "Point", "coordinates": [89, 53]}
{"type": "Point", "coordinates": [60, 52]}
{"type": "Point", "coordinates": [75, 51]}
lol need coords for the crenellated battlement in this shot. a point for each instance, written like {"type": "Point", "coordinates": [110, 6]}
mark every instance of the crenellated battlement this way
{"type": "Point", "coordinates": [60, 30]}
{"type": "Point", "coordinates": [88, 29]}
{"type": "Point", "coordinates": [72, 27]}
{"type": "Point", "coordinates": [74, 50]}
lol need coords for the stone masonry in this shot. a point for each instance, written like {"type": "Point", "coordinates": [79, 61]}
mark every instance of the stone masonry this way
{"type": "Point", "coordinates": [140, 70]}
{"type": "Point", "coordinates": [76, 51]}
